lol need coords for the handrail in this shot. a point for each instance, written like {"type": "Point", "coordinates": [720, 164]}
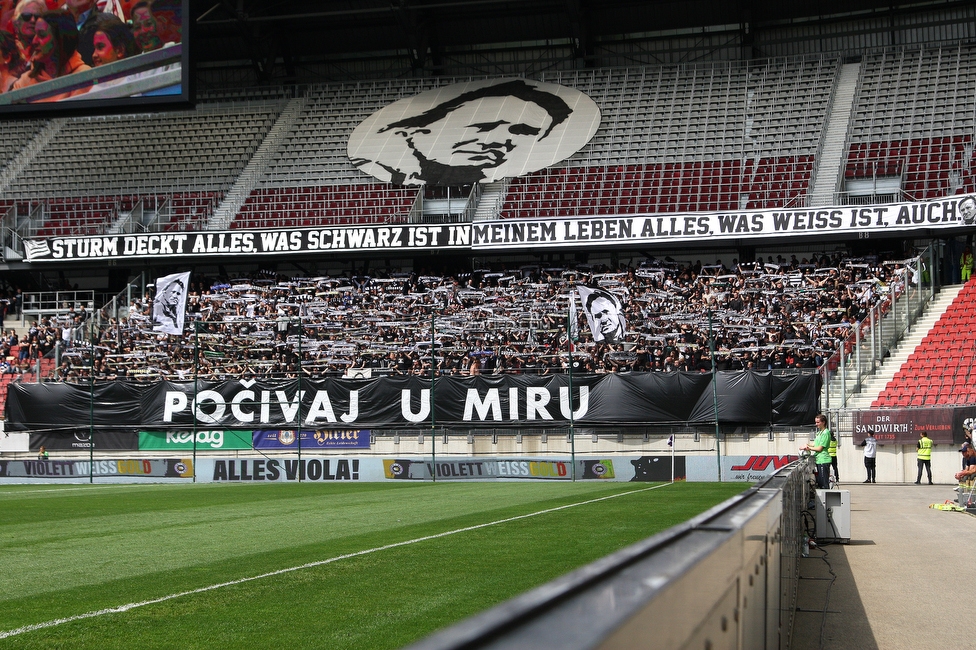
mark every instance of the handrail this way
{"type": "Point", "coordinates": [871, 340]}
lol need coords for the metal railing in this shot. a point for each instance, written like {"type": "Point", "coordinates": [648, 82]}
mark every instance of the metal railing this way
{"type": "Point", "coordinates": [727, 578]}
{"type": "Point", "coordinates": [871, 340]}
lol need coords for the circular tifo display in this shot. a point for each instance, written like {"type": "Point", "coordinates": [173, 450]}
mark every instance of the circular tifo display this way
{"type": "Point", "coordinates": [475, 132]}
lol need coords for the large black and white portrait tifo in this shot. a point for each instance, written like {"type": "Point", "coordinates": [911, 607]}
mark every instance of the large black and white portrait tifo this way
{"type": "Point", "coordinates": [475, 132]}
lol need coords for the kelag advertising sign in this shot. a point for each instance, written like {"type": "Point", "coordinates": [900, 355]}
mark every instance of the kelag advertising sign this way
{"type": "Point", "coordinates": [184, 440]}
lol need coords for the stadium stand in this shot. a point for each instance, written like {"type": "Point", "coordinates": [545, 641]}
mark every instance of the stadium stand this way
{"type": "Point", "coordinates": [767, 316]}
{"type": "Point", "coordinates": [175, 166]}
{"type": "Point", "coordinates": [914, 120]}
{"type": "Point", "coordinates": [940, 369]}
{"type": "Point", "coordinates": [673, 138]}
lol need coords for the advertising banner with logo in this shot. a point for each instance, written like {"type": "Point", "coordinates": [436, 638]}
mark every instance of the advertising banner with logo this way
{"type": "Point", "coordinates": [105, 440]}
{"type": "Point", "coordinates": [320, 439]}
{"type": "Point", "coordinates": [944, 425]}
{"type": "Point", "coordinates": [146, 468]}
{"type": "Point", "coordinates": [482, 468]}
{"type": "Point", "coordinates": [247, 470]}
{"type": "Point", "coordinates": [736, 468]}
{"type": "Point", "coordinates": [649, 468]}
{"type": "Point", "coordinates": [205, 440]}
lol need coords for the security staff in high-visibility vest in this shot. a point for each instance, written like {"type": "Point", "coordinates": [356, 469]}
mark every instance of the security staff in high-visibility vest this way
{"type": "Point", "coordinates": [832, 450]}
{"type": "Point", "coordinates": [924, 447]}
{"type": "Point", "coordinates": [966, 264]}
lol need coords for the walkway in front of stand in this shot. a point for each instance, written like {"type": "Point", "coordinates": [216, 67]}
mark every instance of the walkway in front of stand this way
{"type": "Point", "coordinates": [905, 581]}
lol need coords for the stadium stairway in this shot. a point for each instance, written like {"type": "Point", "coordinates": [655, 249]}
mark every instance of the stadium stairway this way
{"type": "Point", "coordinates": [491, 201]}
{"type": "Point", "coordinates": [875, 384]}
{"type": "Point", "coordinates": [251, 175]}
{"type": "Point", "coordinates": [830, 163]}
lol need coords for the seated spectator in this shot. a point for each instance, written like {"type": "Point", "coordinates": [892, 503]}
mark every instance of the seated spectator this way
{"type": "Point", "coordinates": [145, 29]}
{"type": "Point", "coordinates": [26, 13]}
{"type": "Point", "coordinates": [11, 63]}
{"type": "Point", "coordinates": [968, 472]}
{"type": "Point", "coordinates": [112, 41]}
{"type": "Point", "coordinates": [54, 53]}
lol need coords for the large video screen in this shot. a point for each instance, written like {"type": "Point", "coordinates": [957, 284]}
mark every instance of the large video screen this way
{"type": "Point", "coordinates": [86, 55]}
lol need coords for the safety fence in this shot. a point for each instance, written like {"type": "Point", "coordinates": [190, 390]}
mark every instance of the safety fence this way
{"type": "Point", "coordinates": [727, 578]}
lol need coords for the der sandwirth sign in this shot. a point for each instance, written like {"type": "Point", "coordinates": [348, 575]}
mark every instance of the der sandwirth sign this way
{"type": "Point", "coordinates": [475, 132]}
{"type": "Point", "coordinates": [639, 398]}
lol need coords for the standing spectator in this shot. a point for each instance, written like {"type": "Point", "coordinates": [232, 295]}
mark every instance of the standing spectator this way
{"type": "Point", "coordinates": [820, 446]}
{"type": "Point", "coordinates": [870, 445]}
{"type": "Point", "coordinates": [924, 446]}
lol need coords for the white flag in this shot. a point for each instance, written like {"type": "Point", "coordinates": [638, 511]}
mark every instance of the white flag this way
{"type": "Point", "coordinates": [169, 305]}
{"type": "Point", "coordinates": [604, 314]}
{"type": "Point", "coordinates": [573, 322]}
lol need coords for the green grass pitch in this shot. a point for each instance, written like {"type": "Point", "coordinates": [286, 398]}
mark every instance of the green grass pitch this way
{"type": "Point", "coordinates": [345, 569]}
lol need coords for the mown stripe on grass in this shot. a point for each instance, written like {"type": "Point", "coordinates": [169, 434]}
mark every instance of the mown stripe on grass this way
{"type": "Point", "coordinates": [309, 565]}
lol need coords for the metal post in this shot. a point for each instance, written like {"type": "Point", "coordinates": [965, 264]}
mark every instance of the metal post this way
{"type": "Point", "coordinates": [874, 347]}
{"type": "Point", "coordinates": [91, 405]}
{"type": "Point", "coordinates": [843, 375]}
{"type": "Point", "coordinates": [711, 351]}
{"type": "Point", "coordinates": [572, 418]}
{"type": "Point", "coordinates": [196, 377]}
{"type": "Point", "coordinates": [857, 358]}
{"type": "Point", "coordinates": [299, 423]}
{"type": "Point", "coordinates": [433, 417]}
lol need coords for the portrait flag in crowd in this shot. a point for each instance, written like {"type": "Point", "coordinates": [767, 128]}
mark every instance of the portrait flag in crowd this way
{"type": "Point", "coordinates": [604, 314]}
{"type": "Point", "coordinates": [169, 305]}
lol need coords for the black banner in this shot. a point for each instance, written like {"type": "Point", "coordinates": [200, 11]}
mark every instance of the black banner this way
{"type": "Point", "coordinates": [80, 439]}
{"type": "Point", "coordinates": [637, 398]}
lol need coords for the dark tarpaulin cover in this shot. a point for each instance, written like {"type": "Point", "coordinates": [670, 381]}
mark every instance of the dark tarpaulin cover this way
{"type": "Point", "coordinates": [744, 397]}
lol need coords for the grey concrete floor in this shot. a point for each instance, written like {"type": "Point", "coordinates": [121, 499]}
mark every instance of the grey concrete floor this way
{"type": "Point", "coordinates": [904, 580]}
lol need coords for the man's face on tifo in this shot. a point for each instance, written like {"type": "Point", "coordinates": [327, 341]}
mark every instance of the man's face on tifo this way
{"type": "Point", "coordinates": [171, 296]}
{"type": "Point", "coordinates": [967, 208]}
{"type": "Point", "coordinates": [605, 317]}
{"type": "Point", "coordinates": [482, 133]}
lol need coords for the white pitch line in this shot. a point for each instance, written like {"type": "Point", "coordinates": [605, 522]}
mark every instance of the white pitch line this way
{"type": "Point", "coordinates": [15, 493]}
{"type": "Point", "coordinates": [124, 608]}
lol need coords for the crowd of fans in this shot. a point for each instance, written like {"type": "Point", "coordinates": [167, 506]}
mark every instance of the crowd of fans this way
{"type": "Point", "coordinates": [782, 314]}
{"type": "Point", "coordinates": [41, 40]}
